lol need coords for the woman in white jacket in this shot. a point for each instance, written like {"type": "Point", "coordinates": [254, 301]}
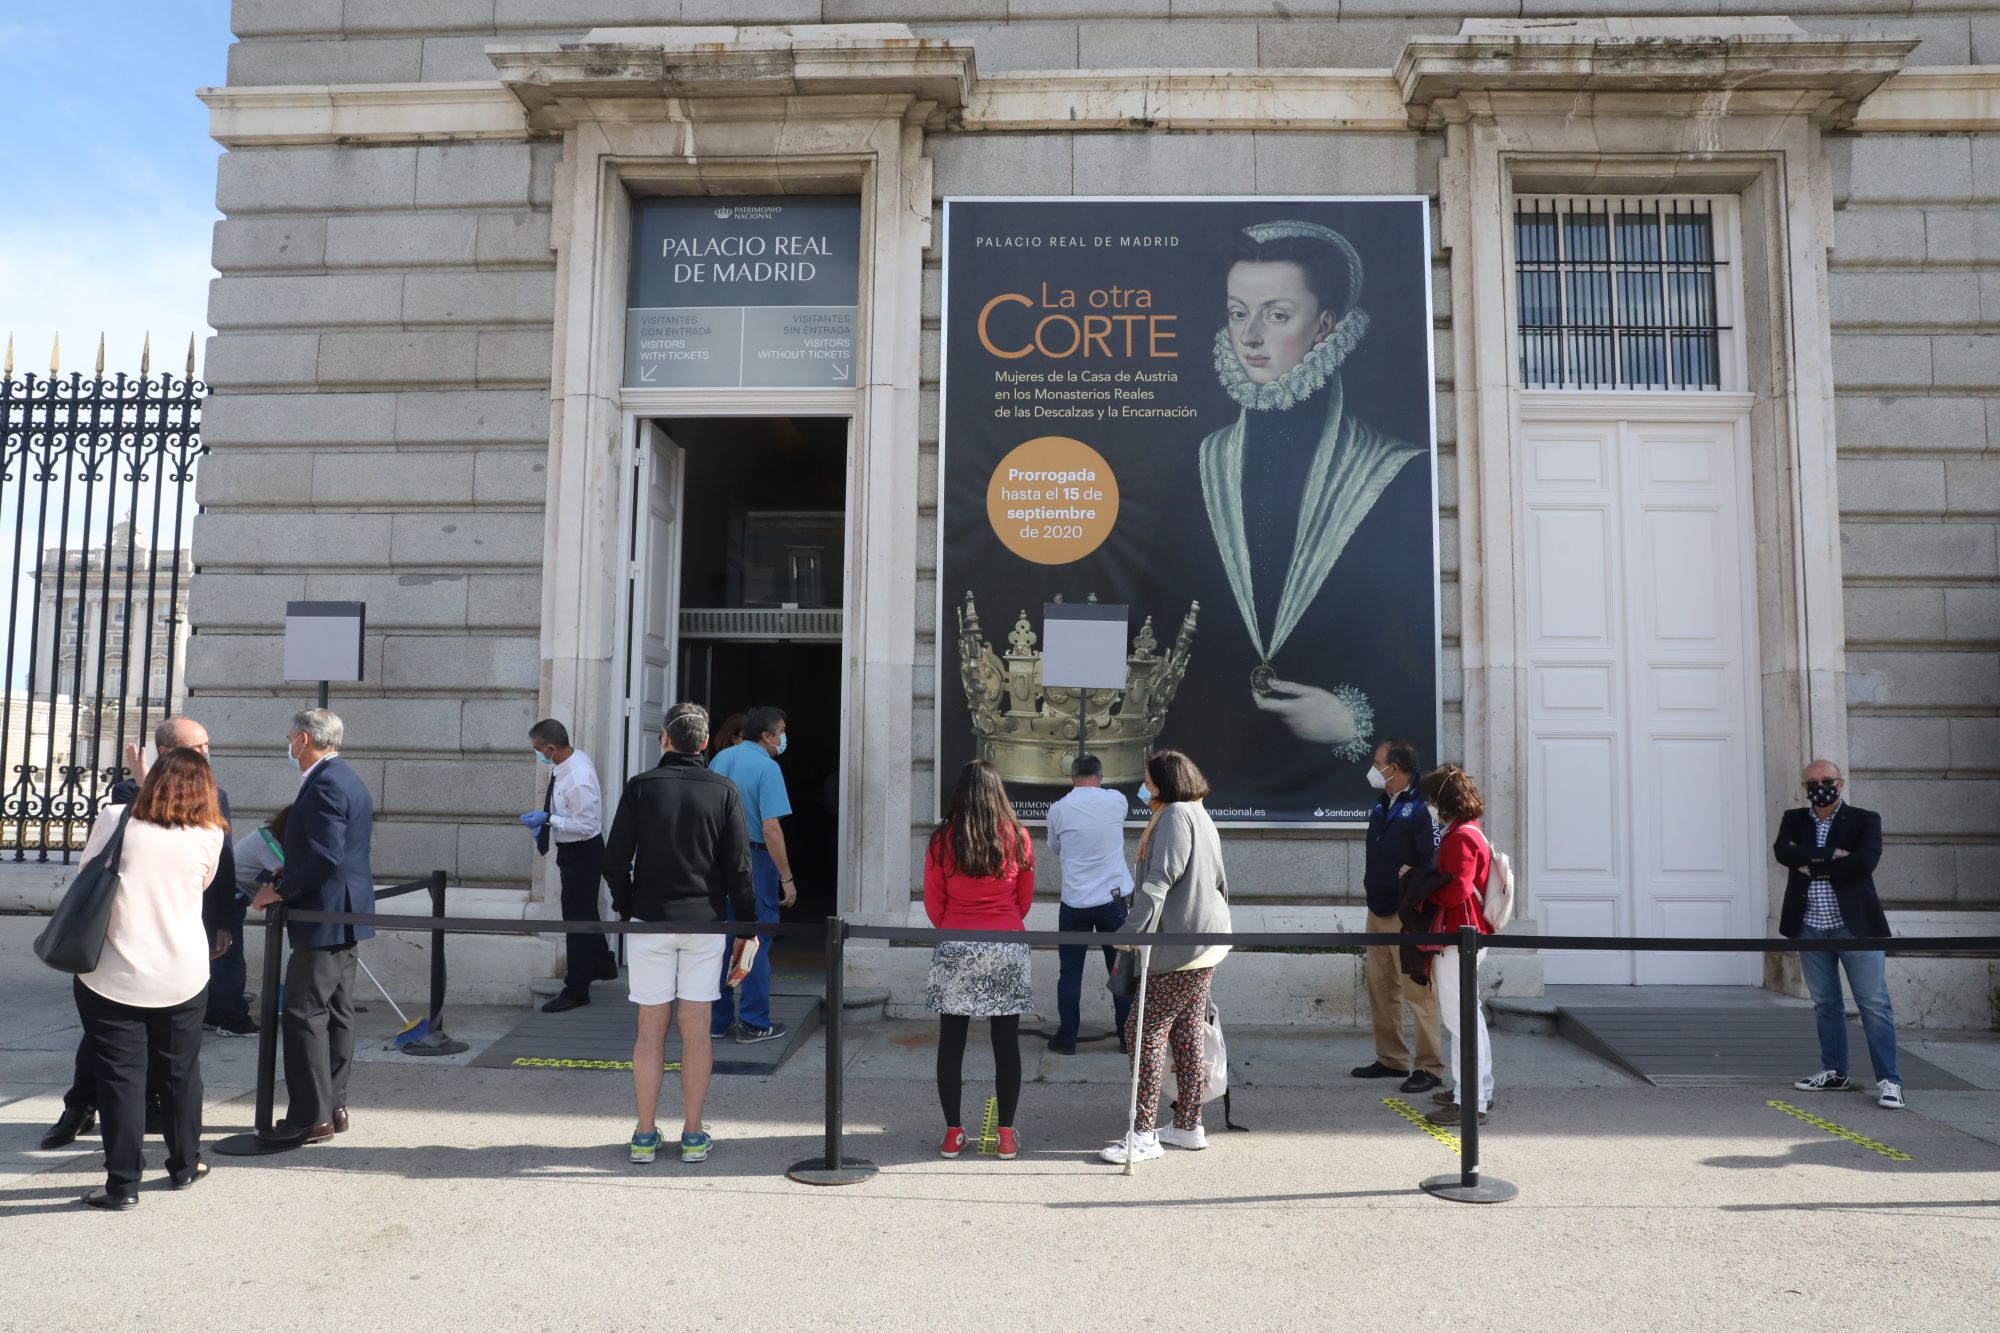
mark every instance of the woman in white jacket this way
{"type": "Point", "coordinates": [145, 1001]}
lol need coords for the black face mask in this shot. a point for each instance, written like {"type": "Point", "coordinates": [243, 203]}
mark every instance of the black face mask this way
{"type": "Point", "coordinates": [1822, 794]}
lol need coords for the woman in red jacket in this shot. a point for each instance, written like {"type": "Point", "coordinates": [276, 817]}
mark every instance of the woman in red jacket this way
{"type": "Point", "coordinates": [979, 874]}
{"type": "Point", "coordinates": [1465, 860]}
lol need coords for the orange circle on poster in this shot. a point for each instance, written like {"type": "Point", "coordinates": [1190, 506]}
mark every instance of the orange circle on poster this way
{"type": "Point", "coordinates": [1052, 500]}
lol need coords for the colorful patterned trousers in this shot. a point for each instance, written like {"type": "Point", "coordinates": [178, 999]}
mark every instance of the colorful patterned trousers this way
{"type": "Point", "coordinates": [1176, 1013]}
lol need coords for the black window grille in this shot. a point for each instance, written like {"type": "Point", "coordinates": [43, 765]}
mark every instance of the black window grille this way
{"type": "Point", "coordinates": [1618, 294]}
{"type": "Point", "coordinates": [96, 494]}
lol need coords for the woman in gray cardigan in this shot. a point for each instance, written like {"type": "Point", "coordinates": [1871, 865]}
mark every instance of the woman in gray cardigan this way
{"type": "Point", "coordinates": [1182, 887]}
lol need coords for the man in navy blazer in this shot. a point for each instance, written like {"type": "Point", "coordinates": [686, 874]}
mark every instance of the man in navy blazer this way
{"type": "Point", "coordinates": [1831, 849]}
{"type": "Point", "coordinates": [326, 870]}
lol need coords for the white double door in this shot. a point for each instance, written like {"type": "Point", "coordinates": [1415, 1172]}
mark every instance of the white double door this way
{"type": "Point", "coordinates": [1644, 768]}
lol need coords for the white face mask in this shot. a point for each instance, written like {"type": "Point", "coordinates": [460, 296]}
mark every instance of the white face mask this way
{"type": "Point", "coordinates": [290, 757]}
{"type": "Point", "coordinates": [1436, 818]}
{"type": "Point", "coordinates": [1376, 780]}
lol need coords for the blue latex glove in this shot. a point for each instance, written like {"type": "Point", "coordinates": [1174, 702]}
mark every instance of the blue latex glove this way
{"type": "Point", "coordinates": [534, 819]}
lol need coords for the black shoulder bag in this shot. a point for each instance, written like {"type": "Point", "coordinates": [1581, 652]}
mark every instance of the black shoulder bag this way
{"type": "Point", "coordinates": [73, 940]}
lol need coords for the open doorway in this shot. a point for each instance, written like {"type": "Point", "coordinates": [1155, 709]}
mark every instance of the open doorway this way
{"type": "Point", "coordinates": [761, 591]}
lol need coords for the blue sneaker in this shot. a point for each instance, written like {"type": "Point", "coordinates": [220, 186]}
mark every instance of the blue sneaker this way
{"type": "Point", "coordinates": [694, 1147]}
{"type": "Point", "coordinates": [645, 1146]}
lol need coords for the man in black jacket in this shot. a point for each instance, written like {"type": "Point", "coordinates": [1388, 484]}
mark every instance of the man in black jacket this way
{"type": "Point", "coordinates": [1831, 849]}
{"type": "Point", "coordinates": [1399, 841]}
{"type": "Point", "coordinates": [678, 851]}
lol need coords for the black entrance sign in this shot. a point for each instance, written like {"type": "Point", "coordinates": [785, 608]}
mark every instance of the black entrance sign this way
{"type": "Point", "coordinates": [743, 293]}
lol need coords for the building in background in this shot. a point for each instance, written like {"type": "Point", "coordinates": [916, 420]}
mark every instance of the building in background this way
{"type": "Point", "coordinates": [1683, 544]}
{"type": "Point", "coordinates": [112, 622]}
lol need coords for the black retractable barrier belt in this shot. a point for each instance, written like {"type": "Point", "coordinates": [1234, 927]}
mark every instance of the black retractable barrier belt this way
{"type": "Point", "coordinates": [417, 887]}
{"type": "Point", "coordinates": [488, 925]}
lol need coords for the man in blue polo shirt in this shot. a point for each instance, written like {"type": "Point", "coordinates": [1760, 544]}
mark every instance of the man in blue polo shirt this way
{"type": "Point", "coordinates": [752, 764]}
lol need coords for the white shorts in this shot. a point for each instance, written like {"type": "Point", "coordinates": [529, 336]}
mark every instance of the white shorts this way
{"type": "Point", "coordinates": [665, 968]}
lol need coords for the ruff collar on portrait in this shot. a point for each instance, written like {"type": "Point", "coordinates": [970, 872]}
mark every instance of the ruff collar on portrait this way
{"type": "Point", "coordinates": [1299, 383]}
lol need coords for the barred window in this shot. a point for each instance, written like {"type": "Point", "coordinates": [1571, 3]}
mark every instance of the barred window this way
{"type": "Point", "coordinates": [1621, 293]}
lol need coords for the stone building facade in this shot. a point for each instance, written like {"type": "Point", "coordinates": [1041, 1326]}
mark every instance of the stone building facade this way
{"type": "Point", "coordinates": [417, 401]}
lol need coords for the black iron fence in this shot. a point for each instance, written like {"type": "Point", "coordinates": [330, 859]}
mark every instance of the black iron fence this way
{"type": "Point", "coordinates": [96, 498]}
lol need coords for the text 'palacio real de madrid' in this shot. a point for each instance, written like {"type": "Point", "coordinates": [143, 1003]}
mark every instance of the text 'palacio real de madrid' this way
{"type": "Point", "coordinates": [1640, 410]}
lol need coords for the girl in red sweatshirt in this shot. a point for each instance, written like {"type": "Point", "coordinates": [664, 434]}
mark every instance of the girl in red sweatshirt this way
{"type": "Point", "coordinates": [979, 874]}
{"type": "Point", "coordinates": [1465, 859]}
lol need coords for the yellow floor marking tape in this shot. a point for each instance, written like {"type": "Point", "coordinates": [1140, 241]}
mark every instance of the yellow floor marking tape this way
{"type": "Point", "coordinates": [989, 1132]}
{"type": "Point", "coordinates": [541, 1062]}
{"type": "Point", "coordinates": [1840, 1132]}
{"type": "Point", "coordinates": [1415, 1117]}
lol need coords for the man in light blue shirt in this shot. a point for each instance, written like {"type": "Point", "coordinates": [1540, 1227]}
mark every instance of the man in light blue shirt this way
{"type": "Point", "coordinates": [1087, 834]}
{"type": "Point", "coordinates": [752, 764]}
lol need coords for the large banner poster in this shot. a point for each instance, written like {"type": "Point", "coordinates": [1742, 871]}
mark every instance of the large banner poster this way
{"type": "Point", "coordinates": [1216, 413]}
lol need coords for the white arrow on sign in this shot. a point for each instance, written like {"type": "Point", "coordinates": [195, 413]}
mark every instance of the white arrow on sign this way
{"type": "Point", "coordinates": [841, 372]}
{"type": "Point", "coordinates": [646, 374]}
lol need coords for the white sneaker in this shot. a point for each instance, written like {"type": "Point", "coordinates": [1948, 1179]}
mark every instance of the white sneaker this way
{"type": "Point", "coordinates": [1824, 1081]}
{"type": "Point", "coordinates": [1892, 1095]}
{"type": "Point", "coordinates": [1194, 1140]}
{"type": "Point", "coordinates": [1144, 1148]}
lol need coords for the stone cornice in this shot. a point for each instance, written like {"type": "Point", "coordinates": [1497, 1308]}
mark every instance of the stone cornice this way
{"type": "Point", "coordinates": [1330, 99]}
{"type": "Point", "coordinates": [1775, 66]}
{"type": "Point", "coordinates": [1920, 101]}
{"type": "Point", "coordinates": [1933, 100]}
{"type": "Point", "coordinates": [560, 83]}
{"type": "Point", "coordinates": [363, 113]}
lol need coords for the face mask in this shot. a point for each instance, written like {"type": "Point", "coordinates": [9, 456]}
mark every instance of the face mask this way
{"type": "Point", "coordinates": [1376, 780]}
{"type": "Point", "coordinates": [1436, 818]}
{"type": "Point", "coordinates": [1822, 794]}
{"type": "Point", "coordinates": [290, 757]}
{"type": "Point", "coordinates": [545, 759]}
{"type": "Point", "coordinates": [784, 741]}
{"type": "Point", "coordinates": [1145, 794]}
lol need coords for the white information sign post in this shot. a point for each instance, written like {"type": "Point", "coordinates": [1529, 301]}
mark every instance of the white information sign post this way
{"type": "Point", "coordinates": [1084, 648]}
{"type": "Point", "coordinates": [323, 642]}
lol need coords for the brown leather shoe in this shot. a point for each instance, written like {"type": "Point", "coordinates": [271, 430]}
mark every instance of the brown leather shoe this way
{"type": "Point", "coordinates": [284, 1134]}
{"type": "Point", "coordinates": [340, 1119]}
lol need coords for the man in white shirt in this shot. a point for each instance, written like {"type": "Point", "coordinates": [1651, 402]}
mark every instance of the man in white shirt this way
{"type": "Point", "coordinates": [1087, 834]}
{"type": "Point", "coordinates": [572, 817]}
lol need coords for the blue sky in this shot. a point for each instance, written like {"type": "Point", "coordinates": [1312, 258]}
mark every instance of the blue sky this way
{"type": "Point", "coordinates": [109, 177]}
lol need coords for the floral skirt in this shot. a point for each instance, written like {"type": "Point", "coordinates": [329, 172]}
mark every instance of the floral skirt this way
{"type": "Point", "coordinates": [980, 979]}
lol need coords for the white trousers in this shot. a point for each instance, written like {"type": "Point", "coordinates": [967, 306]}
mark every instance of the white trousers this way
{"type": "Point", "coordinates": [1444, 975]}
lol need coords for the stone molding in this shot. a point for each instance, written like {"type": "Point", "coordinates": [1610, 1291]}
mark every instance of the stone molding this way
{"type": "Point", "coordinates": [627, 73]}
{"type": "Point", "coordinates": [1763, 64]}
{"type": "Point", "coordinates": [1963, 99]}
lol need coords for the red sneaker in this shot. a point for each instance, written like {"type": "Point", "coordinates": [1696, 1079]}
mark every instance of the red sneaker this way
{"type": "Point", "coordinates": [1010, 1146]}
{"type": "Point", "coordinates": [954, 1142]}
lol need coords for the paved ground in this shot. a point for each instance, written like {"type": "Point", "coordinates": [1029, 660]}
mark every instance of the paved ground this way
{"type": "Point", "coordinates": [478, 1199]}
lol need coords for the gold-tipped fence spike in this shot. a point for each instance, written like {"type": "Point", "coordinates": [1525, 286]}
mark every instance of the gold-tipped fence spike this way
{"type": "Point", "coordinates": [9, 371]}
{"type": "Point", "coordinates": [146, 357]}
{"type": "Point", "coordinates": [100, 356]}
{"type": "Point", "coordinates": [55, 357]}
{"type": "Point", "coordinates": [190, 356]}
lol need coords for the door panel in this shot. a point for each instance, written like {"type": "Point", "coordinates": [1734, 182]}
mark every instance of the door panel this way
{"type": "Point", "coordinates": [653, 593]}
{"type": "Point", "coordinates": [1639, 693]}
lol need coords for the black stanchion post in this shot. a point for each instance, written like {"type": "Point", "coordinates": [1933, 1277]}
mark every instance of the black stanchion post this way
{"type": "Point", "coordinates": [435, 1041]}
{"type": "Point", "coordinates": [833, 1167]}
{"type": "Point", "coordinates": [268, 1019]}
{"type": "Point", "coordinates": [1467, 1186]}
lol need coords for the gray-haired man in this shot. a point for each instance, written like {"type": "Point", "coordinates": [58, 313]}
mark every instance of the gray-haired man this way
{"type": "Point", "coordinates": [327, 842]}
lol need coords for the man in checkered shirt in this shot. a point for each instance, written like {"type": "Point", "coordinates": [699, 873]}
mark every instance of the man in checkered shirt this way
{"type": "Point", "coordinates": [1831, 849]}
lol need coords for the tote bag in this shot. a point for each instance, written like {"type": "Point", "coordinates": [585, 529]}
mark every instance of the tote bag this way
{"type": "Point", "coordinates": [73, 940]}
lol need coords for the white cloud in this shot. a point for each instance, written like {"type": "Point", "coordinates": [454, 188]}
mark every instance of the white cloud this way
{"type": "Point", "coordinates": [123, 281]}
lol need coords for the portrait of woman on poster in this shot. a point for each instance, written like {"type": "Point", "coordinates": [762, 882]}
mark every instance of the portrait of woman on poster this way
{"type": "Point", "coordinates": [1304, 531]}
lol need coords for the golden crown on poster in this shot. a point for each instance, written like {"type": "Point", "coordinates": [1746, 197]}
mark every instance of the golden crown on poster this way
{"type": "Point", "coordinates": [1029, 731]}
